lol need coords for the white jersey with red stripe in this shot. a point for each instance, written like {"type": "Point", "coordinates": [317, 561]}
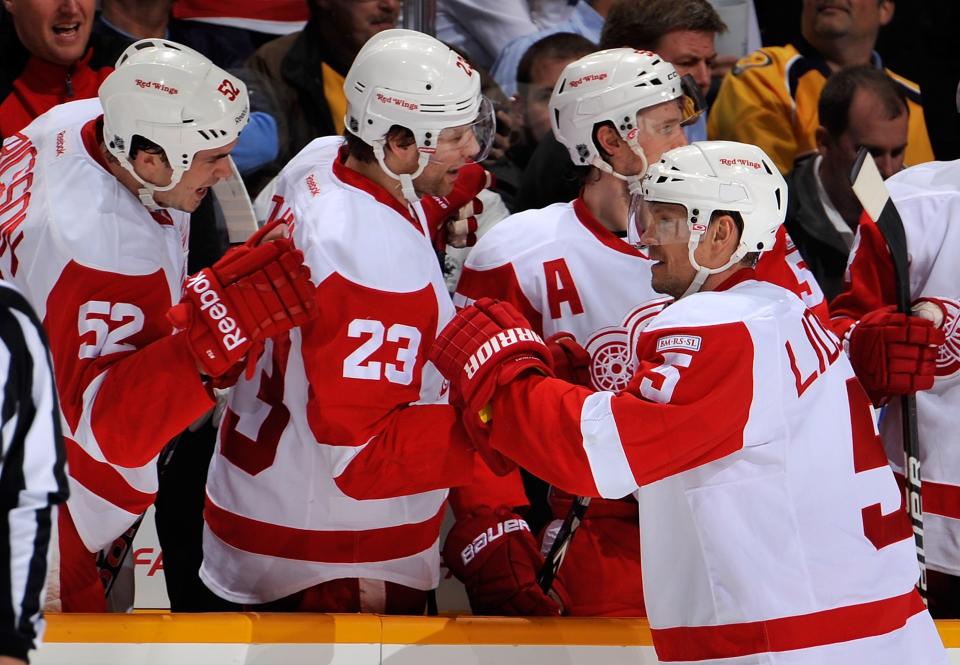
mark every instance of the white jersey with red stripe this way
{"type": "Point", "coordinates": [275, 17]}
{"type": "Point", "coordinates": [566, 272]}
{"type": "Point", "coordinates": [773, 529]}
{"type": "Point", "coordinates": [928, 199]}
{"type": "Point", "coordinates": [101, 271]}
{"type": "Point", "coordinates": [354, 384]}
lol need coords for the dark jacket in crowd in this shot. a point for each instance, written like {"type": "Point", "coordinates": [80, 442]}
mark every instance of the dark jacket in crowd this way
{"type": "Point", "coordinates": [820, 244]}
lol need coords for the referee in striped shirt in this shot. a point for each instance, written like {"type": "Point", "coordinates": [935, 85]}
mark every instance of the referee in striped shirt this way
{"type": "Point", "coordinates": [32, 473]}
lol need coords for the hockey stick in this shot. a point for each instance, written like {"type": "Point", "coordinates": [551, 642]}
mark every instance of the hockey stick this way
{"type": "Point", "coordinates": [110, 560]}
{"type": "Point", "coordinates": [873, 196]}
{"type": "Point", "coordinates": [560, 544]}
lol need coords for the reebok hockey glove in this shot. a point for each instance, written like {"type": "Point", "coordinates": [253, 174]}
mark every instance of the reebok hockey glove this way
{"type": "Point", "coordinates": [571, 362]}
{"type": "Point", "coordinates": [496, 557]}
{"type": "Point", "coordinates": [249, 295]}
{"type": "Point", "coordinates": [894, 354]}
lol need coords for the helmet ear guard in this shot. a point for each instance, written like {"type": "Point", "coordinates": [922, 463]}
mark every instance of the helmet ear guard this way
{"type": "Point", "coordinates": [709, 176]}
{"type": "Point", "coordinates": [174, 97]}
{"type": "Point", "coordinates": [406, 78]}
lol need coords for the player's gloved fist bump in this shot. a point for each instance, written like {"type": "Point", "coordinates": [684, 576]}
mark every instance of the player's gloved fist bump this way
{"type": "Point", "coordinates": [571, 362]}
{"type": "Point", "coordinates": [894, 354]}
{"type": "Point", "coordinates": [496, 557]}
{"type": "Point", "coordinates": [485, 345]}
{"type": "Point", "coordinates": [251, 294]}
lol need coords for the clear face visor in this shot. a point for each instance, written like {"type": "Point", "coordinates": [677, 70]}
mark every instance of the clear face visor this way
{"type": "Point", "coordinates": [471, 141]}
{"type": "Point", "coordinates": [654, 223]}
{"type": "Point", "coordinates": [693, 104]}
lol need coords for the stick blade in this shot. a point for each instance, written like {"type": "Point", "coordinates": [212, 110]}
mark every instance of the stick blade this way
{"type": "Point", "coordinates": [868, 185]}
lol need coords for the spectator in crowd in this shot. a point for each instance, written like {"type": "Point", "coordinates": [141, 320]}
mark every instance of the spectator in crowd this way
{"type": "Point", "coordinates": [528, 115]}
{"type": "Point", "coordinates": [537, 73]}
{"type": "Point", "coordinates": [482, 28]}
{"type": "Point", "coordinates": [586, 20]}
{"type": "Point", "coordinates": [229, 31]}
{"type": "Point", "coordinates": [682, 32]}
{"type": "Point", "coordinates": [33, 478]}
{"type": "Point", "coordinates": [46, 58]}
{"type": "Point", "coordinates": [101, 250]}
{"type": "Point", "coordinates": [306, 72]}
{"type": "Point", "coordinates": [770, 97]}
{"type": "Point", "coordinates": [859, 106]}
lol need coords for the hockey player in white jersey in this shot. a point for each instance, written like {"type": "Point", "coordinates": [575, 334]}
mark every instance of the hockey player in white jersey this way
{"type": "Point", "coordinates": [571, 270]}
{"type": "Point", "coordinates": [927, 197]}
{"type": "Point", "coordinates": [773, 529]}
{"type": "Point", "coordinates": [94, 230]}
{"type": "Point", "coordinates": [348, 406]}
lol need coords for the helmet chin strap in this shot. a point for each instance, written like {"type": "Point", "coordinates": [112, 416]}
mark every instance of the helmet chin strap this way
{"type": "Point", "coordinates": [635, 181]}
{"type": "Point", "coordinates": [146, 190]}
{"type": "Point", "coordinates": [406, 179]}
{"type": "Point", "coordinates": [703, 273]}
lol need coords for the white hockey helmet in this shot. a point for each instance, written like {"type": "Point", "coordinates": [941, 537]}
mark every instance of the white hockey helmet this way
{"type": "Point", "coordinates": [175, 97]}
{"type": "Point", "coordinates": [613, 86]}
{"type": "Point", "coordinates": [406, 78]}
{"type": "Point", "coordinates": [707, 176]}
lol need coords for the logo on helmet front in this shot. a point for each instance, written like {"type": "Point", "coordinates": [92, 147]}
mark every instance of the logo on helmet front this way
{"type": "Point", "coordinates": [156, 85]}
{"type": "Point", "coordinates": [739, 161]}
{"type": "Point", "coordinates": [396, 101]}
{"type": "Point", "coordinates": [587, 78]}
{"type": "Point", "coordinates": [228, 90]}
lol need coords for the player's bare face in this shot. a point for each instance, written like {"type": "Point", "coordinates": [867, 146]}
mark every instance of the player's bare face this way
{"type": "Point", "coordinates": [208, 168]}
{"type": "Point", "coordinates": [664, 237]}
{"type": "Point", "coordinates": [54, 30]}
{"type": "Point", "coordinates": [837, 19]}
{"type": "Point", "coordinates": [456, 147]}
{"type": "Point", "coordinates": [660, 129]}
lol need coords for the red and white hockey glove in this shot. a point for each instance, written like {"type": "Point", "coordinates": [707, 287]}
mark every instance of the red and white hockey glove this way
{"type": "Point", "coordinates": [571, 362]}
{"type": "Point", "coordinates": [894, 354]}
{"type": "Point", "coordinates": [496, 557]}
{"type": "Point", "coordinates": [452, 218]}
{"type": "Point", "coordinates": [486, 345]}
{"type": "Point", "coordinates": [249, 295]}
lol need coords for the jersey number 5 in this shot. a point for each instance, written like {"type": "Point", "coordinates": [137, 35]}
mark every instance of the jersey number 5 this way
{"type": "Point", "coordinates": [358, 364]}
{"type": "Point", "coordinates": [868, 454]}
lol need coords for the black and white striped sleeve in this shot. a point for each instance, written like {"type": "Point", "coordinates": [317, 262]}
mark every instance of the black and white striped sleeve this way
{"type": "Point", "coordinates": [32, 472]}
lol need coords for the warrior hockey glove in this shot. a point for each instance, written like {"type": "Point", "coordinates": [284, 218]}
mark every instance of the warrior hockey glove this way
{"type": "Point", "coordinates": [251, 294]}
{"type": "Point", "coordinates": [486, 345]}
{"type": "Point", "coordinates": [571, 362]}
{"type": "Point", "coordinates": [894, 354]}
{"type": "Point", "coordinates": [496, 557]}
